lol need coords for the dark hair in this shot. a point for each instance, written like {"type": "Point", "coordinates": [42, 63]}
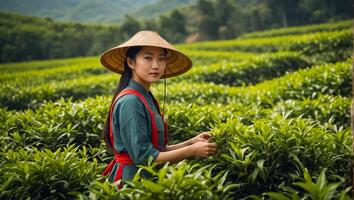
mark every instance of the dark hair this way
{"type": "Point", "coordinates": [122, 84]}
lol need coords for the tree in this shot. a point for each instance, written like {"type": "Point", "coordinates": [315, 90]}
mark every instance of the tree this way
{"type": "Point", "coordinates": [173, 26]}
{"type": "Point", "coordinates": [150, 24]}
{"type": "Point", "coordinates": [286, 12]}
{"type": "Point", "coordinates": [129, 27]}
{"type": "Point", "coordinates": [228, 19]}
{"type": "Point", "coordinates": [208, 26]}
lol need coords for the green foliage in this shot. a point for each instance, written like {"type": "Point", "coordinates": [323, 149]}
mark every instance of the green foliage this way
{"type": "Point", "coordinates": [34, 77]}
{"type": "Point", "coordinates": [320, 189]}
{"type": "Point", "coordinates": [31, 173]}
{"type": "Point", "coordinates": [201, 57]}
{"type": "Point", "coordinates": [55, 125]}
{"type": "Point", "coordinates": [24, 39]}
{"type": "Point", "coordinates": [161, 7]}
{"type": "Point", "coordinates": [173, 26]}
{"type": "Point", "coordinates": [276, 117]}
{"type": "Point", "coordinates": [331, 79]}
{"type": "Point", "coordinates": [271, 152]}
{"type": "Point", "coordinates": [300, 30]}
{"type": "Point", "coordinates": [324, 109]}
{"type": "Point", "coordinates": [36, 66]}
{"type": "Point", "coordinates": [33, 97]}
{"type": "Point", "coordinates": [319, 45]}
{"type": "Point", "coordinates": [92, 11]}
{"type": "Point", "coordinates": [249, 71]}
{"type": "Point", "coordinates": [183, 180]}
{"type": "Point", "coordinates": [222, 19]}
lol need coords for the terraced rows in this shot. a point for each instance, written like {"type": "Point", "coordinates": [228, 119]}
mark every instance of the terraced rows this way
{"type": "Point", "coordinates": [277, 103]}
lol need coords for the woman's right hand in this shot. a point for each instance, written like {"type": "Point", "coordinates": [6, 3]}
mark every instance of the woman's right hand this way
{"type": "Point", "coordinates": [203, 148]}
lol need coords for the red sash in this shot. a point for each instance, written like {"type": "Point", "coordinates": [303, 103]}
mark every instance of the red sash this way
{"type": "Point", "coordinates": [124, 158]}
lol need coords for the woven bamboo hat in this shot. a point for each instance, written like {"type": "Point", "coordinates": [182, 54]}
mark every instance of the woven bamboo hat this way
{"type": "Point", "coordinates": [176, 62]}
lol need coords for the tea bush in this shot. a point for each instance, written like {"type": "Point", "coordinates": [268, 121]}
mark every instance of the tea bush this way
{"type": "Point", "coordinates": [300, 30]}
{"type": "Point", "coordinates": [28, 173]}
{"type": "Point", "coordinates": [276, 103]}
{"type": "Point", "coordinates": [248, 72]}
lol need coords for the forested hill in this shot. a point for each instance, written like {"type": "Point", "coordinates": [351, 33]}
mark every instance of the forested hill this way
{"type": "Point", "coordinates": [25, 38]}
{"type": "Point", "coordinates": [31, 38]}
{"type": "Point", "coordinates": [92, 11]}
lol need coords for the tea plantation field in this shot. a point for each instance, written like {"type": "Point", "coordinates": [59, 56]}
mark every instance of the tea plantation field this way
{"type": "Point", "coordinates": [276, 102]}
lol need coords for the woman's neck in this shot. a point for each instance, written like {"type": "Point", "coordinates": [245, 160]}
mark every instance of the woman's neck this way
{"type": "Point", "coordinates": [142, 82]}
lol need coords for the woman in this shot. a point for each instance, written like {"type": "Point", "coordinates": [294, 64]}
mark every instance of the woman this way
{"type": "Point", "coordinates": [135, 128]}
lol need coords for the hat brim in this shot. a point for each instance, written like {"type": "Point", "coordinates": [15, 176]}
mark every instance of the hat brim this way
{"type": "Point", "coordinates": [176, 62]}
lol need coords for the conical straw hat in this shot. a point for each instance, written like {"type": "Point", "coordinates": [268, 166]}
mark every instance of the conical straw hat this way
{"type": "Point", "coordinates": [176, 62]}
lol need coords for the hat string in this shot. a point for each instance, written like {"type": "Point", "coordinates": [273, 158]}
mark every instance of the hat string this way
{"type": "Point", "coordinates": [164, 95]}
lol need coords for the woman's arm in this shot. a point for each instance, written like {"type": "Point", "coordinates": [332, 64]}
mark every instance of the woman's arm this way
{"type": "Point", "coordinates": [201, 137]}
{"type": "Point", "coordinates": [177, 146]}
{"type": "Point", "coordinates": [200, 149]}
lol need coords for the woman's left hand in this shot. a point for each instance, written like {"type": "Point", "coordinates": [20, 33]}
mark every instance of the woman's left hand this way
{"type": "Point", "coordinates": [204, 136]}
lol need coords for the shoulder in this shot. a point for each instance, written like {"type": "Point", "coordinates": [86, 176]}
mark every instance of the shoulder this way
{"type": "Point", "coordinates": [128, 101]}
{"type": "Point", "coordinates": [128, 98]}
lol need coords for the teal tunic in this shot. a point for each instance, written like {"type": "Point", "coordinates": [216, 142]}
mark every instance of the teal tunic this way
{"type": "Point", "coordinates": [132, 130]}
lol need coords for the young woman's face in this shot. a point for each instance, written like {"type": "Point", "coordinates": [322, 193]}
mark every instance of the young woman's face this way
{"type": "Point", "coordinates": [148, 65]}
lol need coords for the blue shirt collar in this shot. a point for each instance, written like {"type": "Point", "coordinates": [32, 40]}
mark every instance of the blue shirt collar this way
{"type": "Point", "coordinates": [137, 86]}
{"type": "Point", "coordinates": [140, 88]}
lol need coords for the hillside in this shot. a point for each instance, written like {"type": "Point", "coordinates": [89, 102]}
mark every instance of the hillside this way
{"type": "Point", "coordinates": [28, 38]}
{"type": "Point", "coordinates": [91, 11]}
{"type": "Point", "coordinates": [153, 10]}
{"type": "Point", "coordinates": [276, 103]}
{"type": "Point", "coordinates": [32, 38]}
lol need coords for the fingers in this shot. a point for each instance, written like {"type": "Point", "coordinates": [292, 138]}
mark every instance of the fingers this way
{"type": "Point", "coordinates": [209, 144]}
{"type": "Point", "coordinates": [211, 149]}
{"type": "Point", "coordinates": [206, 148]}
{"type": "Point", "coordinates": [210, 152]}
{"type": "Point", "coordinates": [205, 135]}
{"type": "Point", "coordinates": [212, 145]}
{"type": "Point", "coordinates": [200, 140]}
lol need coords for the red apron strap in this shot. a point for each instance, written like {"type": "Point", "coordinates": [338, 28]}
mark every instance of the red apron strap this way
{"type": "Point", "coordinates": [166, 133]}
{"type": "Point", "coordinates": [108, 168]}
{"type": "Point", "coordinates": [111, 123]}
{"type": "Point", "coordinates": [164, 121]}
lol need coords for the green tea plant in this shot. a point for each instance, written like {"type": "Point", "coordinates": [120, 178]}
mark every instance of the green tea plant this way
{"type": "Point", "coordinates": [45, 64]}
{"type": "Point", "coordinates": [37, 77]}
{"type": "Point", "coordinates": [266, 154]}
{"type": "Point", "coordinates": [201, 57]}
{"type": "Point", "coordinates": [274, 43]}
{"type": "Point", "coordinates": [320, 45]}
{"type": "Point", "coordinates": [33, 97]}
{"type": "Point", "coordinates": [320, 189]}
{"type": "Point", "coordinates": [182, 181]}
{"type": "Point", "coordinates": [300, 29]}
{"type": "Point", "coordinates": [275, 106]}
{"type": "Point", "coordinates": [34, 174]}
{"type": "Point", "coordinates": [331, 79]}
{"type": "Point", "coordinates": [55, 125]}
{"type": "Point", "coordinates": [248, 72]}
{"type": "Point", "coordinates": [315, 82]}
{"type": "Point", "coordinates": [325, 108]}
